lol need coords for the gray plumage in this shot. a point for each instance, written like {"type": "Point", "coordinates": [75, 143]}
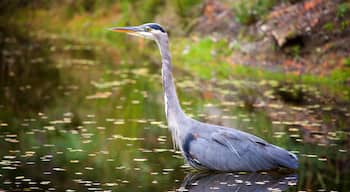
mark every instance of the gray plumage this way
{"type": "Point", "coordinates": [207, 146]}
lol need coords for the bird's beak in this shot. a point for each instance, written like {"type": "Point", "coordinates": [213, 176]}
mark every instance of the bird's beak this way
{"type": "Point", "coordinates": [135, 31]}
{"type": "Point", "coordinates": [129, 30]}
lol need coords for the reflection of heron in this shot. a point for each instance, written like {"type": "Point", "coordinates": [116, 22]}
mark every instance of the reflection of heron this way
{"type": "Point", "coordinates": [237, 182]}
{"type": "Point", "coordinates": [207, 146]}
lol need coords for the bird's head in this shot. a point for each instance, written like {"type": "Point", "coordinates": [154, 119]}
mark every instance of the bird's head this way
{"type": "Point", "coordinates": [148, 30]}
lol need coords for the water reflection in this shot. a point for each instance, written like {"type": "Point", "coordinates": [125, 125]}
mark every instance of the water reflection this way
{"type": "Point", "coordinates": [28, 78]}
{"type": "Point", "coordinates": [237, 182]}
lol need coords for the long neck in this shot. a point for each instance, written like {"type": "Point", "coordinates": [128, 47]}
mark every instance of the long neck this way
{"type": "Point", "coordinates": [173, 109]}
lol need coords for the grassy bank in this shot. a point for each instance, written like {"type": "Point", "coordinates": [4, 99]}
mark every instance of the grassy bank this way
{"type": "Point", "coordinates": [203, 57]}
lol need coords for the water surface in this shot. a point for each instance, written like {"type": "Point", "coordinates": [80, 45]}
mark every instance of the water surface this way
{"type": "Point", "coordinates": [77, 116]}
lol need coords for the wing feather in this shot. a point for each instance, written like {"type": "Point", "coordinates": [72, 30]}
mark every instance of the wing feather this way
{"type": "Point", "coordinates": [227, 149]}
{"type": "Point", "coordinates": [222, 138]}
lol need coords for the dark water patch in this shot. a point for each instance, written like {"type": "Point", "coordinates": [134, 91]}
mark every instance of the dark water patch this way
{"type": "Point", "coordinates": [28, 77]}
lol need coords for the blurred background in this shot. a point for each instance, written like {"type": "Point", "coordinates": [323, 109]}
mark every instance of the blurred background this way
{"type": "Point", "coordinates": [81, 108]}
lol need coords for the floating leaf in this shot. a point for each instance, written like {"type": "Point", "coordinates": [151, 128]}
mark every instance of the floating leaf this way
{"type": "Point", "coordinates": [100, 95]}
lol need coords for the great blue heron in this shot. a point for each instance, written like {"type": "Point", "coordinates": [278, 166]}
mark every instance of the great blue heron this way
{"type": "Point", "coordinates": [207, 146]}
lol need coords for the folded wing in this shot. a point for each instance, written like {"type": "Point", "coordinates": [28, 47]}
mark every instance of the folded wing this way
{"type": "Point", "coordinates": [233, 150]}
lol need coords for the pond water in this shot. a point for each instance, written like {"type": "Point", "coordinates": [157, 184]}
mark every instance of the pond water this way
{"type": "Point", "coordinates": [76, 116]}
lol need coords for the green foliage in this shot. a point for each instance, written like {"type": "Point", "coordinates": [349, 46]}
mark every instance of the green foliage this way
{"type": "Point", "coordinates": [340, 76]}
{"type": "Point", "coordinates": [347, 62]}
{"type": "Point", "coordinates": [249, 11]}
{"type": "Point", "coordinates": [329, 26]}
{"type": "Point", "coordinates": [132, 11]}
{"type": "Point", "coordinates": [203, 57]}
{"type": "Point", "coordinates": [344, 25]}
{"type": "Point", "coordinates": [140, 10]}
{"type": "Point", "coordinates": [80, 6]}
{"type": "Point", "coordinates": [343, 9]}
{"type": "Point", "coordinates": [296, 49]}
{"type": "Point", "coordinates": [184, 6]}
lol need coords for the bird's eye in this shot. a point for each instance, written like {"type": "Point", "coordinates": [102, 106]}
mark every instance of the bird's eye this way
{"type": "Point", "coordinates": [147, 29]}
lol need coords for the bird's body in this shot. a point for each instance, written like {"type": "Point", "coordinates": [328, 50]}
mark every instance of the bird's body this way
{"type": "Point", "coordinates": [220, 148]}
{"type": "Point", "coordinates": [207, 146]}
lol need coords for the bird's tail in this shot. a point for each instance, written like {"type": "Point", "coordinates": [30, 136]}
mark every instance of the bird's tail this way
{"type": "Point", "coordinates": [283, 157]}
